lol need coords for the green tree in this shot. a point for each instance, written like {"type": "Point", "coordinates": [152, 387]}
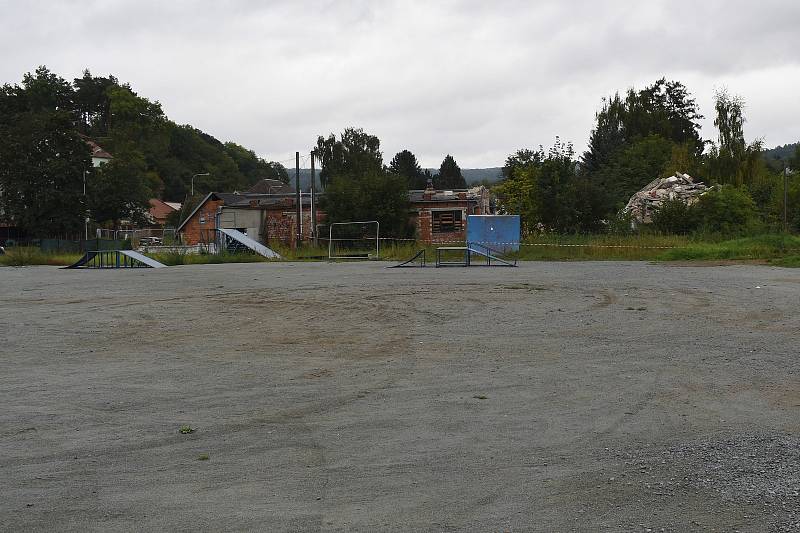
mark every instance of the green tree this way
{"type": "Point", "coordinates": [548, 194]}
{"type": "Point", "coordinates": [732, 160]}
{"type": "Point", "coordinates": [42, 158]}
{"type": "Point", "coordinates": [630, 169]}
{"type": "Point", "coordinates": [375, 195]}
{"type": "Point", "coordinates": [405, 164]}
{"type": "Point", "coordinates": [254, 168]}
{"type": "Point", "coordinates": [727, 210]}
{"type": "Point", "coordinates": [92, 103]}
{"type": "Point", "coordinates": [449, 176]}
{"type": "Point", "coordinates": [355, 153]}
{"type": "Point", "coordinates": [118, 190]}
{"type": "Point", "coordinates": [520, 160]}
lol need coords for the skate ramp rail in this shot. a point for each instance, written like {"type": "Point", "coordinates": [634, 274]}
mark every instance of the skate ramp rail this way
{"type": "Point", "coordinates": [252, 244]}
{"type": "Point", "coordinates": [115, 259]}
{"type": "Point", "coordinates": [417, 260]}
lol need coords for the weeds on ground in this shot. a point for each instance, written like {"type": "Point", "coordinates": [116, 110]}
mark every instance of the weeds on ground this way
{"type": "Point", "coordinates": [203, 457]}
{"type": "Point", "coordinates": [781, 248]}
{"type": "Point", "coordinates": [32, 255]}
{"type": "Point", "coordinates": [185, 430]}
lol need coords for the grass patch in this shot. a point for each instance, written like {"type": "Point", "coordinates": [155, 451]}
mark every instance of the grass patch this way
{"type": "Point", "coordinates": [792, 261]}
{"type": "Point", "coordinates": [598, 247]}
{"type": "Point", "coordinates": [185, 430]}
{"type": "Point", "coordinates": [31, 255]}
{"type": "Point", "coordinates": [203, 457]}
{"type": "Point", "coordinates": [776, 248]}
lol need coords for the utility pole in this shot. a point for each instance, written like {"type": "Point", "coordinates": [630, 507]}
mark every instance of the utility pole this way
{"type": "Point", "coordinates": [86, 211]}
{"type": "Point", "coordinates": [785, 198]}
{"type": "Point", "coordinates": [313, 201]}
{"type": "Point", "coordinates": [297, 197]}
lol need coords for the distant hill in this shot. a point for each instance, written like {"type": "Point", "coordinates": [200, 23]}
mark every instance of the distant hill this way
{"type": "Point", "coordinates": [776, 157]}
{"type": "Point", "coordinates": [472, 176]}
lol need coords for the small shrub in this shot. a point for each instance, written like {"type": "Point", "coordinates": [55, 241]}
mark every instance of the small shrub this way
{"type": "Point", "coordinates": [675, 217]}
{"type": "Point", "coordinates": [727, 210]}
{"type": "Point", "coordinates": [185, 430]}
{"type": "Point", "coordinates": [621, 224]}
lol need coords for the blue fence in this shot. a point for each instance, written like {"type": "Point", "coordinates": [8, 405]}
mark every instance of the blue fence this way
{"type": "Point", "coordinates": [501, 232]}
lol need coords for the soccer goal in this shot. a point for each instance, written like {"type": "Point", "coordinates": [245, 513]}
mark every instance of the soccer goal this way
{"type": "Point", "coordinates": [354, 240]}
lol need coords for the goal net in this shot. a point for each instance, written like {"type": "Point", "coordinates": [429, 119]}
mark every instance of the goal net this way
{"type": "Point", "coordinates": [354, 240]}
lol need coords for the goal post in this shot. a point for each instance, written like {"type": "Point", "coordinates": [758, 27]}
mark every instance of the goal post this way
{"type": "Point", "coordinates": [354, 240]}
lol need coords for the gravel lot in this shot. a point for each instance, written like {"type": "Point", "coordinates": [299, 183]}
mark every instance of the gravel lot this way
{"type": "Point", "coordinates": [350, 397]}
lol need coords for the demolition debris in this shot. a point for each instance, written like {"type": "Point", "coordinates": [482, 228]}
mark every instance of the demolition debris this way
{"type": "Point", "coordinates": [681, 187]}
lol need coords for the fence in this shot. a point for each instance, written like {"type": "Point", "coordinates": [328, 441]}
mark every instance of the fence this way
{"type": "Point", "coordinates": [141, 237]}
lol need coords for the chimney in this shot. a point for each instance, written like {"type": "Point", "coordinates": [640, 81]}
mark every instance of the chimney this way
{"type": "Point", "coordinates": [429, 191]}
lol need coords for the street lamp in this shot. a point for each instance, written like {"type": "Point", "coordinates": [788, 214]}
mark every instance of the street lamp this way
{"type": "Point", "coordinates": [194, 176]}
{"type": "Point", "coordinates": [786, 172]}
{"type": "Point", "coordinates": [86, 209]}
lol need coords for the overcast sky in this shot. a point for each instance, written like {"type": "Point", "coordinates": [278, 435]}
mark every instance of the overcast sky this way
{"type": "Point", "coordinates": [474, 78]}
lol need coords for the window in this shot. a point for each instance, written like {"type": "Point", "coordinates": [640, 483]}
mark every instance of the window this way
{"type": "Point", "coordinates": [446, 221]}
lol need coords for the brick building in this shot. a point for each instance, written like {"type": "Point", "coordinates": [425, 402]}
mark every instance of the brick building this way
{"type": "Point", "coordinates": [441, 216]}
{"type": "Point", "coordinates": [267, 213]}
{"type": "Point", "coordinates": [267, 217]}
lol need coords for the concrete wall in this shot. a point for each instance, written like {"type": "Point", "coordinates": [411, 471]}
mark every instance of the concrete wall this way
{"type": "Point", "coordinates": [249, 220]}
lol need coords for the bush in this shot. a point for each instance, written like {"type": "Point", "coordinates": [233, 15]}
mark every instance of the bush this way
{"type": "Point", "coordinates": [728, 210]}
{"type": "Point", "coordinates": [621, 224]}
{"type": "Point", "coordinates": [676, 217]}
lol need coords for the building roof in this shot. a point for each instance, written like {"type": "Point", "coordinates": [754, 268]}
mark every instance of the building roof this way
{"type": "Point", "coordinates": [270, 186]}
{"type": "Point", "coordinates": [248, 200]}
{"type": "Point", "coordinates": [97, 150]}
{"type": "Point", "coordinates": [159, 210]}
{"type": "Point", "coordinates": [473, 194]}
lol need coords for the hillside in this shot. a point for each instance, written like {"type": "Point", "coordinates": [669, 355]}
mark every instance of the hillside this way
{"type": "Point", "coordinates": [780, 155]}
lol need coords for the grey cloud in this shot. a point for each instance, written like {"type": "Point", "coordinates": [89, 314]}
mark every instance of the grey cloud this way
{"type": "Point", "coordinates": [472, 78]}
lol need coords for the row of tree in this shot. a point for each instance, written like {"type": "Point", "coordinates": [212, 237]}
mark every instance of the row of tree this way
{"type": "Point", "coordinates": [645, 134]}
{"type": "Point", "coordinates": [358, 186]}
{"type": "Point", "coordinates": [45, 162]}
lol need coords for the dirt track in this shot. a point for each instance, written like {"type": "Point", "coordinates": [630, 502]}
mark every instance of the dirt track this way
{"type": "Point", "coordinates": [349, 397]}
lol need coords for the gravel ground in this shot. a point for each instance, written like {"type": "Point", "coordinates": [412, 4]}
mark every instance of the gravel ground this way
{"type": "Point", "coordinates": [350, 397]}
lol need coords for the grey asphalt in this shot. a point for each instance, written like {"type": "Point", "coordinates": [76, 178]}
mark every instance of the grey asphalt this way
{"type": "Point", "coordinates": [350, 397]}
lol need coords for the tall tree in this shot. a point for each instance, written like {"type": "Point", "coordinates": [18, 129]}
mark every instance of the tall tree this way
{"type": "Point", "coordinates": [732, 160]}
{"type": "Point", "coordinates": [92, 103]}
{"type": "Point", "coordinates": [42, 158]}
{"type": "Point", "coordinates": [375, 195]}
{"type": "Point", "coordinates": [354, 153]}
{"type": "Point", "coordinates": [405, 164]}
{"type": "Point", "coordinates": [449, 176]}
{"type": "Point", "coordinates": [118, 190]}
{"type": "Point", "coordinates": [519, 160]}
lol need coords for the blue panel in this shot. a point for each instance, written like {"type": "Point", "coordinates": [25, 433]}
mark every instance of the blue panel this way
{"type": "Point", "coordinates": [500, 232]}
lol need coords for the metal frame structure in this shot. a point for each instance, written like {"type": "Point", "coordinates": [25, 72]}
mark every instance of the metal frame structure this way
{"type": "Point", "coordinates": [115, 259]}
{"type": "Point", "coordinates": [470, 249]}
{"type": "Point", "coordinates": [377, 240]}
{"type": "Point", "coordinates": [418, 257]}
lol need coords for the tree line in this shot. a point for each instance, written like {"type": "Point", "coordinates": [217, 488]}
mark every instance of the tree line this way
{"type": "Point", "coordinates": [637, 136]}
{"type": "Point", "coordinates": [45, 161]}
{"type": "Point", "coordinates": [359, 186]}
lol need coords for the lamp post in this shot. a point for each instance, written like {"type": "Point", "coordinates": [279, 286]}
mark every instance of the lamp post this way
{"type": "Point", "coordinates": [786, 172]}
{"type": "Point", "coordinates": [194, 176]}
{"type": "Point", "coordinates": [86, 211]}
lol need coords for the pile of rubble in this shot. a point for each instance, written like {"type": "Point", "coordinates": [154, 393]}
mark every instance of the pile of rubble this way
{"type": "Point", "coordinates": [644, 203]}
